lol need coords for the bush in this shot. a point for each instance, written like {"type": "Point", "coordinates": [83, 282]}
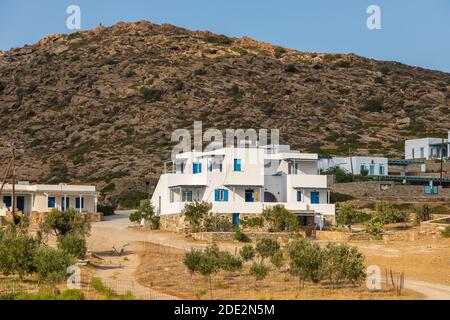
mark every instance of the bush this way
{"type": "Point", "coordinates": [389, 214]}
{"type": "Point", "coordinates": [266, 247]}
{"type": "Point", "coordinates": [277, 259]}
{"type": "Point", "coordinates": [51, 264]}
{"type": "Point", "coordinates": [212, 223]}
{"type": "Point", "coordinates": [195, 213]}
{"type": "Point", "coordinates": [73, 244]}
{"type": "Point", "coordinates": [446, 232]}
{"type": "Point", "coordinates": [147, 213]}
{"type": "Point", "coordinates": [247, 252]}
{"type": "Point", "coordinates": [230, 263]}
{"type": "Point", "coordinates": [341, 176]}
{"type": "Point", "coordinates": [106, 209]}
{"type": "Point", "coordinates": [375, 227]}
{"type": "Point", "coordinates": [280, 219]}
{"type": "Point", "coordinates": [423, 214]}
{"type": "Point", "coordinates": [151, 95]}
{"type": "Point", "coordinates": [348, 214]}
{"type": "Point", "coordinates": [241, 236]}
{"type": "Point", "coordinates": [192, 260]}
{"type": "Point", "coordinates": [374, 104]}
{"type": "Point", "coordinates": [219, 39]}
{"type": "Point", "coordinates": [343, 263]}
{"type": "Point", "coordinates": [305, 261]}
{"type": "Point", "coordinates": [290, 68]}
{"type": "Point", "coordinates": [62, 223]}
{"type": "Point", "coordinates": [252, 222]}
{"type": "Point", "coordinates": [129, 199]}
{"type": "Point", "coordinates": [259, 270]}
{"type": "Point", "coordinates": [16, 254]}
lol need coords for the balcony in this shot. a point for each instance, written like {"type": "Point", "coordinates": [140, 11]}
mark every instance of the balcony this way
{"type": "Point", "coordinates": [186, 179]}
{"type": "Point", "coordinates": [307, 181]}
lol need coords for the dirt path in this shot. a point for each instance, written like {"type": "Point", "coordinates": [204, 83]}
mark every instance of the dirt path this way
{"type": "Point", "coordinates": [118, 272]}
{"type": "Point", "coordinates": [430, 291]}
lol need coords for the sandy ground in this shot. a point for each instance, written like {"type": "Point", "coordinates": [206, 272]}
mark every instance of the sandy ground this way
{"type": "Point", "coordinates": [426, 274]}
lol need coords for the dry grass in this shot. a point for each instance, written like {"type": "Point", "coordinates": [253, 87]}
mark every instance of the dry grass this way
{"type": "Point", "coordinates": [164, 271]}
{"type": "Point", "coordinates": [426, 260]}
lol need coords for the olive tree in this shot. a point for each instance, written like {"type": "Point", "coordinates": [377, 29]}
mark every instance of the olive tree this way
{"type": "Point", "coordinates": [267, 248]}
{"type": "Point", "coordinates": [305, 261]}
{"type": "Point", "coordinates": [280, 219]}
{"type": "Point", "coordinates": [61, 223]}
{"type": "Point", "coordinates": [347, 214]}
{"type": "Point", "coordinates": [259, 270]}
{"type": "Point", "coordinates": [146, 213]}
{"type": "Point", "coordinates": [195, 213]}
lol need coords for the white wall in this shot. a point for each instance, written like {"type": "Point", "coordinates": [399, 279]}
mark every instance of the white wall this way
{"type": "Point", "coordinates": [357, 161]}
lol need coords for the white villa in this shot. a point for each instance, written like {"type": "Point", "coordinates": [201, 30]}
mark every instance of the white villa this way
{"type": "Point", "coordinates": [241, 181]}
{"type": "Point", "coordinates": [44, 197]}
{"type": "Point", "coordinates": [375, 166]}
{"type": "Point", "coordinates": [427, 148]}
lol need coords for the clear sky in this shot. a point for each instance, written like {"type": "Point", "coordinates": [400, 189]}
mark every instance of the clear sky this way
{"type": "Point", "coordinates": [415, 32]}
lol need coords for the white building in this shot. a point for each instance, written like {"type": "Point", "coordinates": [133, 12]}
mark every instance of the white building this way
{"type": "Point", "coordinates": [44, 197]}
{"type": "Point", "coordinates": [427, 148]}
{"type": "Point", "coordinates": [374, 166]}
{"type": "Point", "coordinates": [242, 181]}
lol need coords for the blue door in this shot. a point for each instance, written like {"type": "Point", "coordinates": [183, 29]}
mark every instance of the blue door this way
{"type": "Point", "coordinates": [314, 197]}
{"type": "Point", "coordinates": [372, 169]}
{"type": "Point", "coordinates": [249, 195]}
{"type": "Point", "coordinates": [7, 200]}
{"type": "Point", "coordinates": [21, 203]}
{"type": "Point", "coordinates": [236, 219]}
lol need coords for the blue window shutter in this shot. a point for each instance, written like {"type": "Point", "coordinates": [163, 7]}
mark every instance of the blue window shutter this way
{"type": "Point", "coordinates": [199, 168]}
{"type": "Point", "coordinates": [220, 166]}
{"type": "Point", "coordinates": [210, 167]}
{"type": "Point", "coordinates": [216, 194]}
{"type": "Point", "coordinates": [77, 203]}
{"type": "Point", "coordinates": [51, 202]}
{"type": "Point", "coordinates": [194, 168]}
{"type": "Point", "coordinates": [299, 196]}
{"type": "Point", "coordinates": [7, 200]}
{"type": "Point", "coordinates": [225, 195]}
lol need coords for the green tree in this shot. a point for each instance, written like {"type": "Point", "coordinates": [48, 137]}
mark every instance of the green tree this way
{"type": "Point", "coordinates": [375, 227]}
{"type": "Point", "coordinates": [259, 270]}
{"type": "Point", "coordinates": [16, 254]}
{"type": "Point", "coordinates": [146, 212]}
{"type": "Point", "coordinates": [343, 264]}
{"type": "Point", "coordinates": [280, 219]}
{"type": "Point", "coordinates": [389, 214]}
{"type": "Point", "coordinates": [247, 252]}
{"type": "Point", "coordinates": [230, 263]}
{"type": "Point", "coordinates": [51, 264]}
{"type": "Point", "coordinates": [305, 261]}
{"type": "Point", "coordinates": [73, 244]}
{"type": "Point", "coordinates": [195, 213]}
{"type": "Point", "coordinates": [277, 259]}
{"type": "Point", "coordinates": [422, 213]}
{"type": "Point", "coordinates": [192, 260]}
{"type": "Point", "coordinates": [62, 223]}
{"type": "Point", "coordinates": [266, 247]}
{"type": "Point", "coordinates": [347, 214]}
{"type": "Point", "coordinates": [340, 175]}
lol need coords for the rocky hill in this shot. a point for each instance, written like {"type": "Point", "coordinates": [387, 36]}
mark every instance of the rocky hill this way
{"type": "Point", "coordinates": [101, 104]}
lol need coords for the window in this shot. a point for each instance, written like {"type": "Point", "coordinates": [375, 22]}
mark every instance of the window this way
{"type": "Point", "coordinates": [362, 168]}
{"type": "Point", "coordinates": [299, 196]}
{"type": "Point", "coordinates": [430, 190]}
{"type": "Point", "coordinates": [385, 187]}
{"type": "Point", "coordinates": [196, 168]}
{"type": "Point", "coordinates": [7, 200]}
{"type": "Point", "coordinates": [237, 164]}
{"type": "Point", "coordinates": [372, 169]}
{"type": "Point", "coordinates": [381, 170]}
{"type": "Point", "coordinates": [51, 202]}
{"type": "Point", "coordinates": [77, 202]}
{"type": "Point", "coordinates": [220, 166]}
{"type": "Point", "coordinates": [413, 153]}
{"type": "Point", "coordinates": [172, 196]}
{"type": "Point", "coordinates": [422, 152]}
{"type": "Point", "coordinates": [180, 167]}
{"type": "Point", "coordinates": [221, 195]}
{"type": "Point", "coordinates": [186, 195]}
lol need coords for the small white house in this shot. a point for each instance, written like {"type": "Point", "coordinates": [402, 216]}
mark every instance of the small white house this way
{"type": "Point", "coordinates": [374, 166]}
{"type": "Point", "coordinates": [44, 197]}
{"type": "Point", "coordinates": [241, 181]}
{"type": "Point", "coordinates": [427, 148]}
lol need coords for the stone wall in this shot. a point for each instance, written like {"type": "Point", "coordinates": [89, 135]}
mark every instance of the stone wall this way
{"type": "Point", "coordinates": [36, 218]}
{"type": "Point", "coordinates": [254, 236]}
{"type": "Point", "coordinates": [388, 190]}
{"type": "Point", "coordinates": [174, 223]}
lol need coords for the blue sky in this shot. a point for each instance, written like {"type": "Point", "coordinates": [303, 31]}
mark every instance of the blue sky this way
{"type": "Point", "coordinates": [414, 32]}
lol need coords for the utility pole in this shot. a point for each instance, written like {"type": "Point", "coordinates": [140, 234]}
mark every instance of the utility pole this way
{"type": "Point", "coordinates": [14, 184]}
{"type": "Point", "coordinates": [351, 161]}
{"type": "Point", "coordinates": [442, 159]}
